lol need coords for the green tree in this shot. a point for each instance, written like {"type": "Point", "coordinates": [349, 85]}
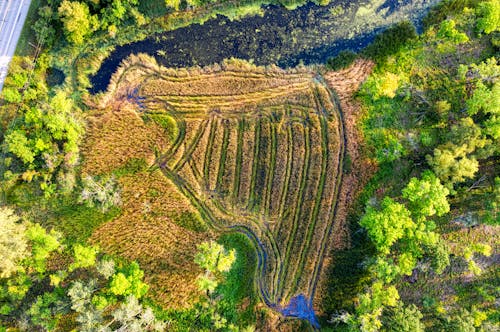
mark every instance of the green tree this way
{"type": "Point", "coordinates": [403, 319]}
{"type": "Point", "coordinates": [452, 164]}
{"type": "Point", "coordinates": [83, 257]}
{"type": "Point", "coordinates": [11, 95]}
{"type": "Point", "coordinates": [489, 16]}
{"type": "Point", "coordinates": [427, 196]}
{"type": "Point", "coordinates": [13, 242]}
{"type": "Point", "coordinates": [17, 143]}
{"type": "Point", "coordinates": [77, 22]}
{"type": "Point", "coordinates": [128, 281]}
{"type": "Point", "coordinates": [371, 306]}
{"type": "Point", "coordinates": [447, 30]}
{"type": "Point", "coordinates": [43, 243]}
{"type": "Point", "coordinates": [386, 225]}
{"type": "Point", "coordinates": [214, 258]}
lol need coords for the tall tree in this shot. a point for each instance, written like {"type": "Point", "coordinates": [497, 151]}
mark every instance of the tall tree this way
{"type": "Point", "coordinates": [77, 21]}
{"type": "Point", "coordinates": [427, 196]}
{"type": "Point", "coordinates": [13, 242]}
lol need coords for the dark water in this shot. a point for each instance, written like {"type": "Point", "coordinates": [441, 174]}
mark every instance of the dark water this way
{"type": "Point", "coordinates": [308, 34]}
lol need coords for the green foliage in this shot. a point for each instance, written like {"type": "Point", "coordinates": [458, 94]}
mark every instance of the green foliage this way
{"type": "Point", "coordinates": [13, 242]}
{"type": "Point", "coordinates": [427, 196]}
{"type": "Point", "coordinates": [447, 31]}
{"type": "Point", "coordinates": [11, 95]}
{"type": "Point", "coordinates": [99, 298]}
{"type": "Point", "coordinates": [403, 319]}
{"type": "Point", "coordinates": [475, 248]}
{"type": "Point", "coordinates": [214, 258]}
{"type": "Point", "coordinates": [77, 22]}
{"type": "Point", "coordinates": [489, 13]}
{"type": "Point", "coordinates": [462, 321]}
{"type": "Point", "coordinates": [387, 224]}
{"type": "Point", "coordinates": [371, 306]}
{"type": "Point", "coordinates": [18, 144]}
{"type": "Point", "coordinates": [119, 284]}
{"type": "Point", "coordinates": [43, 243]}
{"type": "Point", "coordinates": [390, 41]}
{"type": "Point", "coordinates": [84, 257]}
{"type": "Point", "coordinates": [342, 60]}
{"type": "Point", "coordinates": [42, 311]}
{"type": "Point", "coordinates": [128, 281]}
{"type": "Point", "coordinates": [440, 256]}
{"type": "Point", "coordinates": [45, 140]}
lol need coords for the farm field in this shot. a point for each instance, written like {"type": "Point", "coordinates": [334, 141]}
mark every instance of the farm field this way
{"type": "Point", "coordinates": [258, 151]}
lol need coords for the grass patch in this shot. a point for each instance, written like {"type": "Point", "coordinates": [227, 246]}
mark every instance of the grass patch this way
{"type": "Point", "coordinates": [167, 122]}
{"type": "Point", "coordinates": [238, 288]}
{"type": "Point", "coordinates": [28, 36]}
{"type": "Point", "coordinates": [189, 220]}
{"type": "Point", "coordinates": [132, 166]}
{"type": "Point", "coordinates": [78, 222]}
{"type": "Point", "coordinates": [75, 221]}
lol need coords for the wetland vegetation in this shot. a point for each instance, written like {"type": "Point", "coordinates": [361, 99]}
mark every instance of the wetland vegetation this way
{"type": "Point", "coordinates": [252, 166]}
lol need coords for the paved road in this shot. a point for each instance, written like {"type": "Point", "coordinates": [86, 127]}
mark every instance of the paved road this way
{"type": "Point", "coordinates": [12, 16]}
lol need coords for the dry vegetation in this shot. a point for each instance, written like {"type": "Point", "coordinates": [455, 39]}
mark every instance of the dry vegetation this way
{"type": "Point", "coordinates": [149, 230]}
{"type": "Point", "coordinates": [346, 83]}
{"type": "Point", "coordinates": [158, 226]}
{"type": "Point", "coordinates": [116, 136]}
{"type": "Point", "coordinates": [258, 150]}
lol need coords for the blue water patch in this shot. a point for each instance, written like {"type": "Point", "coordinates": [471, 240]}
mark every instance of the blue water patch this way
{"type": "Point", "coordinates": [301, 307]}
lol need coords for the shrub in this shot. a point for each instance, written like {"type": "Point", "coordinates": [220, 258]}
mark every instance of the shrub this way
{"type": "Point", "coordinates": [342, 60]}
{"type": "Point", "coordinates": [390, 41]}
{"type": "Point", "coordinates": [448, 31]}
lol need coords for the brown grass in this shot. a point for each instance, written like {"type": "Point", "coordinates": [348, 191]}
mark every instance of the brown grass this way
{"type": "Point", "coordinates": [114, 137]}
{"type": "Point", "coordinates": [292, 224]}
{"type": "Point", "coordinates": [146, 231]}
{"type": "Point", "coordinates": [345, 83]}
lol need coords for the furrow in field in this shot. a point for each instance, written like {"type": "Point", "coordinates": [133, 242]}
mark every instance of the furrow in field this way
{"type": "Point", "coordinates": [181, 125]}
{"type": "Point", "coordinates": [339, 127]}
{"type": "Point", "coordinates": [226, 124]}
{"type": "Point", "coordinates": [310, 203]}
{"type": "Point", "coordinates": [247, 163]}
{"type": "Point", "coordinates": [267, 194]}
{"type": "Point", "coordinates": [225, 186]}
{"type": "Point", "coordinates": [238, 160]}
{"type": "Point", "coordinates": [215, 156]}
{"type": "Point", "coordinates": [281, 176]}
{"type": "Point", "coordinates": [208, 151]}
{"type": "Point", "coordinates": [325, 195]}
{"type": "Point", "coordinates": [293, 205]}
{"type": "Point", "coordinates": [194, 130]}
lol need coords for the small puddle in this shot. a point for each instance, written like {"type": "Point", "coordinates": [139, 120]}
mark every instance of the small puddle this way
{"type": "Point", "coordinates": [300, 307]}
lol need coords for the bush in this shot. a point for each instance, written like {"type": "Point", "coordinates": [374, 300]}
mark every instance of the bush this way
{"type": "Point", "coordinates": [342, 60]}
{"type": "Point", "coordinates": [390, 41]}
{"type": "Point", "coordinates": [448, 31]}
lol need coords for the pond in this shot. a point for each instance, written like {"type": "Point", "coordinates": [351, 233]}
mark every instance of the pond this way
{"type": "Point", "coordinates": [308, 34]}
